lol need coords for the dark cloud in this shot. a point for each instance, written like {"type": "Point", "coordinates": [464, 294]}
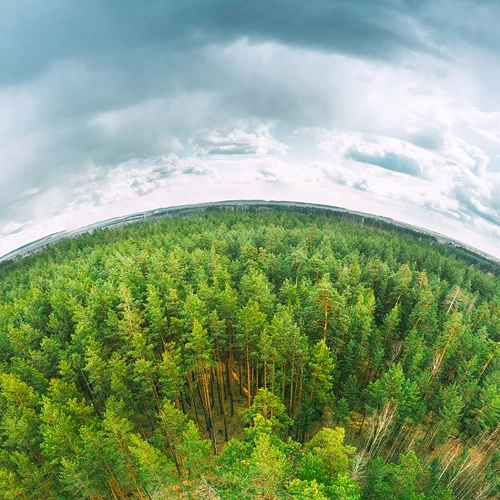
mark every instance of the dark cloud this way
{"type": "Point", "coordinates": [461, 21]}
{"type": "Point", "coordinates": [388, 160]}
{"type": "Point", "coordinates": [470, 206]}
{"type": "Point", "coordinates": [363, 28]}
{"type": "Point", "coordinates": [35, 35]}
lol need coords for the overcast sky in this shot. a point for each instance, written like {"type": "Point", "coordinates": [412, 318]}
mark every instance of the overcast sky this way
{"type": "Point", "coordinates": [110, 107]}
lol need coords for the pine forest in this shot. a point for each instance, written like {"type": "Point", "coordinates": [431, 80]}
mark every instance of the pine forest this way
{"type": "Point", "coordinates": [250, 353]}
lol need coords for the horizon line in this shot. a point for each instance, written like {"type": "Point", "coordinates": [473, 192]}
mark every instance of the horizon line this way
{"type": "Point", "coordinates": [39, 244]}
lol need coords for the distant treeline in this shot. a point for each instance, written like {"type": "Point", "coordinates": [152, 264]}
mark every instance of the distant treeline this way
{"type": "Point", "coordinates": [470, 255]}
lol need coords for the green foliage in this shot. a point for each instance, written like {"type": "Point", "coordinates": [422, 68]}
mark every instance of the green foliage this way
{"type": "Point", "coordinates": [394, 480]}
{"type": "Point", "coordinates": [321, 369]}
{"type": "Point", "coordinates": [130, 358]}
{"type": "Point", "coordinates": [328, 447]}
{"type": "Point", "coordinates": [268, 466]}
{"type": "Point", "coordinates": [267, 412]}
{"type": "Point", "coordinates": [307, 490]}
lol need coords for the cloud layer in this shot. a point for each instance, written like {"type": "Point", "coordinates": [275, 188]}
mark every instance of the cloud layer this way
{"type": "Point", "coordinates": [388, 104]}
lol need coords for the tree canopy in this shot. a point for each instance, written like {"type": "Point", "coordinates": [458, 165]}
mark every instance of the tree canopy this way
{"type": "Point", "coordinates": [256, 354]}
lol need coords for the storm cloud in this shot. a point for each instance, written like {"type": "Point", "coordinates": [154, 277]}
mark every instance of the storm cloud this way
{"type": "Point", "coordinates": [103, 103]}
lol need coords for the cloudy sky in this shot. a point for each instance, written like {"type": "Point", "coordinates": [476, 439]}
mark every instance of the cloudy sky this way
{"type": "Point", "coordinates": [109, 107]}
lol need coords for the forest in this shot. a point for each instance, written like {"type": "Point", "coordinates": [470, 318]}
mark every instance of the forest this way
{"type": "Point", "coordinates": [240, 354]}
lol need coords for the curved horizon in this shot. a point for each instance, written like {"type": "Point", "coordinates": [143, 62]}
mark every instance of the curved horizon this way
{"type": "Point", "coordinates": [40, 244]}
